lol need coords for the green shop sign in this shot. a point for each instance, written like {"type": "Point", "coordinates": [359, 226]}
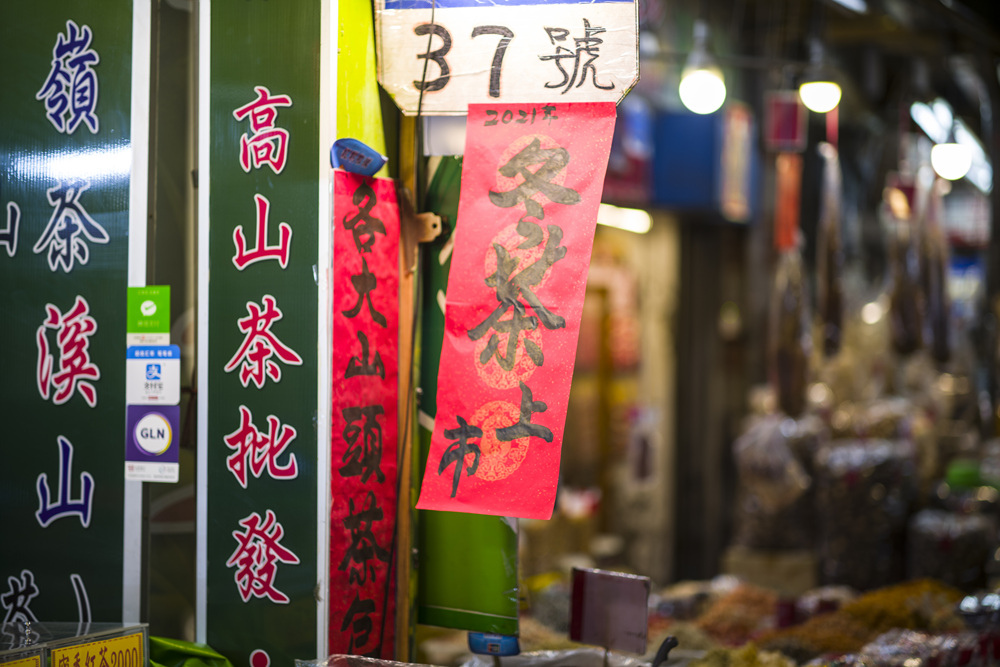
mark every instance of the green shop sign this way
{"type": "Point", "coordinates": [67, 215]}
{"type": "Point", "coordinates": [263, 212]}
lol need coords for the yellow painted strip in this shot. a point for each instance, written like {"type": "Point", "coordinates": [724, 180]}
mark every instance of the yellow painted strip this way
{"type": "Point", "coordinates": [359, 114]}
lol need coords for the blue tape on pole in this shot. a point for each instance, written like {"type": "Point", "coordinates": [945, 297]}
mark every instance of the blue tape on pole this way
{"type": "Point", "coordinates": [353, 156]}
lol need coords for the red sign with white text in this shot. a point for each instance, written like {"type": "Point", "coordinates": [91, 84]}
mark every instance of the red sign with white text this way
{"type": "Point", "coordinates": [531, 183]}
{"type": "Point", "coordinates": [364, 425]}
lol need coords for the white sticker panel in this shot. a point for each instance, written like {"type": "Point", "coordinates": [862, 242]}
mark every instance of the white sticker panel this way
{"type": "Point", "coordinates": [153, 375]}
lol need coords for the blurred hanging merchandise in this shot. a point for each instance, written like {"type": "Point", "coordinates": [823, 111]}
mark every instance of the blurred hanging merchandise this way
{"type": "Point", "coordinates": [830, 255]}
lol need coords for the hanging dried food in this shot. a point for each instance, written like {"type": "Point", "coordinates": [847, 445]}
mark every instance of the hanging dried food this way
{"type": "Point", "coordinates": [790, 342]}
{"type": "Point", "coordinates": [906, 312]}
{"type": "Point", "coordinates": [933, 277]}
{"type": "Point", "coordinates": [830, 254]}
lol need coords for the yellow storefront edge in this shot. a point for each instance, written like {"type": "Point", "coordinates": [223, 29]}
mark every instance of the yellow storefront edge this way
{"type": "Point", "coordinates": [359, 114]}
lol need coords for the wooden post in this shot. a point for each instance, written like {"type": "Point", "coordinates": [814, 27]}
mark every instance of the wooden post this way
{"type": "Point", "coordinates": [405, 584]}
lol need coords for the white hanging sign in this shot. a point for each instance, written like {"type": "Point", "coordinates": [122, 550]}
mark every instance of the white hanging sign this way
{"type": "Point", "coordinates": [439, 56]}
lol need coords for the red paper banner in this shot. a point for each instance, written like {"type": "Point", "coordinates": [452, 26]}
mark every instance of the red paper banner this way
{"type": "Point", "coordinates": [364, 425]}
{"type": "Point", "coordinates": [531, 183]}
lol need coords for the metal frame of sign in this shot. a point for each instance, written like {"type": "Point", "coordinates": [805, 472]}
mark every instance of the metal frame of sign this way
{"type": "Point", "coordinates": [324, 393]}
{"type": "Point", "coordinates": [137, 225]}
{"type": "Point", "coordinates": [204, 189]}
{"type": "Point", "coordinates": [327, 122]}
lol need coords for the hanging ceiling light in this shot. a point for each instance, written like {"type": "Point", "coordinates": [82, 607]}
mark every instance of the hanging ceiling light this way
{"type": "Point", "coordinates": [820, 96]}
{"type": "Point", "coordinates": [944, 128]}
{"type": "Point", "coordinates": [951, 160]}
{"type": "Point", "coordinates": [819, 92]}
{"type": "Point", "coordinates": [702, 89]}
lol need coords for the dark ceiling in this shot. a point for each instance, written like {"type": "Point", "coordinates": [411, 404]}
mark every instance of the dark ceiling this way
{"type": "Point", "coordinates": [917, 49]}
{"type": "Point", "coordinates": [892, 54]}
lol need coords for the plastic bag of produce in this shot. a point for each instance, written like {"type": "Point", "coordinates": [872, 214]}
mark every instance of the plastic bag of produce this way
{"type": "Point", "coordinates": [774, 500]}
{"type": "Point", "coordinates": [581, 657]}
{"type": "Point", "coordinates": [766, 465]}
{"type": "Point", "coordinates": [864, 489]}
{"type": "Point", "coordinates": [338, 660]}
{"type": "Point", "coordinates": [951, 547]}
{"type": "Point", "coordinates": [908, 648]}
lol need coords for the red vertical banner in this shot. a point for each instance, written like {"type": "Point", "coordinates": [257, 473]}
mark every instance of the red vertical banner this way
{"type": "Point", "coordinates": [531, 184]}
{"type": "Point", "coordinates": [364, 423]}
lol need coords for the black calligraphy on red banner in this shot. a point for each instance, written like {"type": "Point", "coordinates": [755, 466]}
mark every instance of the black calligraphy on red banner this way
{"type": "Point", "coordinates": [363, 450]}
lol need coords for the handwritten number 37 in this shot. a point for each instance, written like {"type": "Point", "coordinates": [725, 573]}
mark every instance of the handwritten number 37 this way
{"type": "Point", "coordinates": [437, 56]}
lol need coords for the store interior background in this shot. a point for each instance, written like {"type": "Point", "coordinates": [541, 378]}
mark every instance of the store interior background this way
{"type": "Point", "coordinates": [673, 349]}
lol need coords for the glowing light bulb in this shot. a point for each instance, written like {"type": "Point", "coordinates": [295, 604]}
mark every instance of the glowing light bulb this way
{"type": "Point", "coordinates": [872, 312]}
{"type": "Point", "coordinates": [951, 161]}
{"type": "Point", "coordinates": [820, 96]}
{"type": "Point", "coordinates": [703, 90]}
